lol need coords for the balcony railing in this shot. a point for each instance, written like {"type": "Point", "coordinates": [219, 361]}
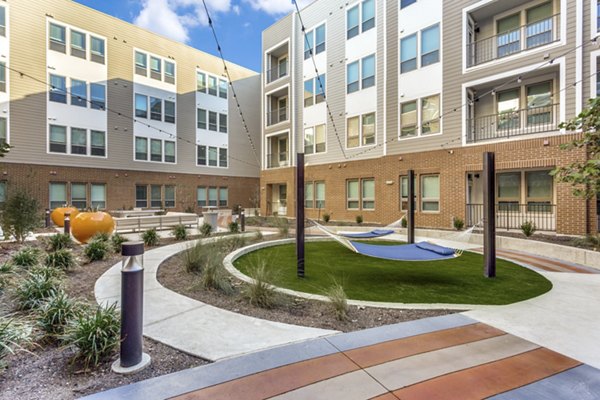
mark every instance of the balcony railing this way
{"type": "Point", "coordinates": [509, 124]}
{"type": "Point", "coordinates": [523, 38]}
{"type": "Point", "coordinates": [511, 215]}
{"type": "Point", "coordinates": [278, 160]}
{"type": "Point", "coordinates": [277, 116]}
{"type": "Point", "coordinates": [277, 72]}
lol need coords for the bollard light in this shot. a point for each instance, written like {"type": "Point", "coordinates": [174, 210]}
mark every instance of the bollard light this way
{"type": "Point", "coordinates": [132, 358]}
{"type": "Point", "coordinates": [243, 220]}
{"type": "Point", "coordinates": [47, 217]}
{"type": "Point", "coordinates": [67, 225]}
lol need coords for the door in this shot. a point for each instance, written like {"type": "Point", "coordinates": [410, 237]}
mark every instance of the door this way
{"type": "Point", "coordinates": [282, 109]}
{"type": "Point", "coordinates": [283, 151]}
{"type": "Point", "coordinates": [282, 200]}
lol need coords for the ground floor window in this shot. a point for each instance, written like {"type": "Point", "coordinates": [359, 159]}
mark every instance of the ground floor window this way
{"type": "Point", "coordinates": [223, 197]}
{"type": "Point", "coordinates": [212, 196]}
{"type": "Point", "coordinates": [2, 193]}
{"type": "Point", "coordinates": [58, 195]}
{"type": "Point", "coordinates": [533, 189]}
{"type": "Point", "coordinates": [98, 195]}
{"type": "Point", "coordinates": [79, 195]}
{"type": "Point", "coordinates": [156, 196]}
{"type": "Point", "coordinates": [141, 196]}
{"type": "Point", "coordinates": [360, 194]}
{"type": "Point", "coordinates": [430, 193]}
{"type": "Point", "coordinates": [169, 196]}
{"type": "Point", "coordinates": [314, 195]}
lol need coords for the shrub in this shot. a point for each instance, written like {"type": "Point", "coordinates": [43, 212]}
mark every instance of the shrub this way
{"type": "Point", "coordinates": [26, 257]}
{"type": "Point", "coordinates": [59, 241]}
{"type": "Point", "coordinates": [230, 244]}
{"type": "Point", "coordinates": [150, 237]}
{"type": "Point", "coordinates": [528, 228]}
{"type": "Point", "coordinates": [96, 250]}
{"type": "Point", "coordinates": [117, 241]}
{"type": "Point", "coordinates": [193, 257]}
{"type": "Point", "coordinates": [282, 225]}
{"type": "Point", "coordinates": [101, 237]}
{"type": "Point", "coordinates": [7, 268]}
{"type": "Point", "coordinates": [338, 300]}
{"type": "Point", "coordinates": [326, 217]}
{"type": "Point", "coordinates": [206, 229]}
{"type": "Point", "coordinates": [95, 332]}
{"type": "Point", "coordinates": [214, 277]}
{"type": "Point", "coordinates": [61, 259]}
{"type": "Point", "coordinates": [6, 271]}
{"type": "Point", "coordinates": [359, 219]}
{"type": "Point", "coordinates": [20, 214]}
{"type": "Point", "coordinates": [404, 222]}
{"type": "Point", "coordinates": [234, 227]}
{"type": "Point", "coordinates": [260, 292]}
{"type": "Point", "coordinates": [56, 312]}
{"type": "Point", "coordinates": [179, 232]}
{"type": "Point", "coordinates": [36, 288]}
{"type": "Point", "coordinates": [14, 335]}
{"type": "Point", "coordinates": [458, 223]}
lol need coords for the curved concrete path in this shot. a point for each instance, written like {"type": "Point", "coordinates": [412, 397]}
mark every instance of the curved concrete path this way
{"type": "Point", "coordinates": [195, 327]}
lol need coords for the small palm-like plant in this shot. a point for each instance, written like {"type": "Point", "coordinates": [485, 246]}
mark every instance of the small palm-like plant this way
{"type": "Point", "coordinates": [61, 259]}
{"type": "Point", "coordinates": [59, 241]}
{"type": "Point", "coordinates": [56, 312]}
{"type": "Point", "coordinates": [150, 237]}
{"type": "Point", "coordinates": [96, 250]}
{"type": "Point", "coordinates": [179, 232]}
{"type": "Point", "coordinates": [14, 335]}
{"type": "Point", "coordinates": [206, 229]}
{"type": "Point", "coordinates": [36, 288]}
{"type": "Point", "coordinates": [528, 228]}
{"type": "Point", "coordinates": [26, 257]}
{"type": "Point", "coordinates": [117, 241]}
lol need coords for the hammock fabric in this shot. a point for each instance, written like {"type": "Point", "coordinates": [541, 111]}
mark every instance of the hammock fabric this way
{"type": "Point", "coordinates": [422, 251]}
{"type": "Point", "coordinates": [375, 233]}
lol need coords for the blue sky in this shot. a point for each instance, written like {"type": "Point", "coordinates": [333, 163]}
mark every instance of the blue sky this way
{"type": "Point", "coordinates": [238, 23]}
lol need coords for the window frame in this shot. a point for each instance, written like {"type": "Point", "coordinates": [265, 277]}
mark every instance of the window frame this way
{"type": "Point", "coordinates": [138, 112]}
{"type": "Point", "coordinates": [352, 199]}
{"type": "Point", "coordinates": [95, 104]}
{"type": "Point", "coordinates": [78, 99]}
{"type": "Point", "coordinates": [58, 94]}
{"type": "Point", "coordinates": [94, 148]}
{"type": "Point", "coordinates": [168, 201]}
{"type": "Point", "coordinates": [435, 52]}
{"type": "Point", "coordinates": [363, 198]}
{"type": "Point", "coordinates": [199, 150]}
{"type": "Point", "coordinates": [80, 147]}
{"type": "Point", "coordinates": [141, 202]}
{"type": "Point", "coordinates": [171, 159]}
{"type": "Point", "coordinates": [169, 117]}
{"type": "Point", "coordinates": [94, 202]}
{"type": "Point", "coordinates": [201, 123]}
{"type": "Point", "coordinates": [156, 157]}
{"type": "Point", "coordinates": [135, 148]}
{"type": "Point", "coordinates": [50, 142]}
{"type": "Point", "coordinates": [156, 108]}
{"type": "Point", "coordinates": [424, 199]}
{"type": "Point", "coordinates": [414, 59]}
{"type": "Point", "coordinates": [61, 202]}
{"type": "Point", "coordinates": [81, 202]}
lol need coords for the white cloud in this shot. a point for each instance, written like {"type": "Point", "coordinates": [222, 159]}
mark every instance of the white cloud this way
{"type": "Point", "coordinates": [276, 7]}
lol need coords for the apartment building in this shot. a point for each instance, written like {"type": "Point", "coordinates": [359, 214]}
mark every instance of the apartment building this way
{"type": "Point", "coordinates": [375, 88]}
{"type": "Point", "coordinates": [104, 114]}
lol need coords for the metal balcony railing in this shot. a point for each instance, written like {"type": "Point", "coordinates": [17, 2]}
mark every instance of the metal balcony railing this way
{"type": "Point", "coordinates": [277, 72]}
{"type": "Point", "coordinates": [277, 116]}
{"type": "Point", "coordinates": [278, 160]}
{"type": "Point", "coordinates": [511, 215]}
{"type": "Point", "coordinates": [523, 38]}
{"type": "Point", "coordinates": [509, 124]}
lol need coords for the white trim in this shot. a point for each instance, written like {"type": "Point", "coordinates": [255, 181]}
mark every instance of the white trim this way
{"type": "Point", "coordinates": [594, 19]}
{"type": "Point", "coordinates": [384, 26]}
{"type": "Point", "coordinates": [593, 76]}
{"type": "Point", "coordinates": [267, 64]}
{"type": "Point", "coordinates": [88, 142]}
{"type": "Point", "coordinates": [315, 135]}
{"type": "Point", "coordinates": [419, 126]}
{"type": "Point", "coordinates": [149, 150]}
{"type": "Point", "coordinates": [578, 57]}
{"type": "Point", "coordinates": [360, 131]}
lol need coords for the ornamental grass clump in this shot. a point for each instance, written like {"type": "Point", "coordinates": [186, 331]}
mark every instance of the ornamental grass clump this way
{"type": "Point", "coordinates": [26, 257]}
{"type": "Point", "coordinates": [193, 257]}
{"type": "Point", "coordinates": [179, 232]}
{"type": "Point", "coordinates": [101, 237]}
{"type": "Point", "coordinates": [150, 237]}
{"type": "Point", "coordinates": [338, 300]}
{"type": "Point", "coordinates": [96, 250]}
{"type": "Point", "coordinates": [62, 259]}
{"type": "Point", "coordinates": [14, 335]}
{"type": "Point", "coordinates": [260, 292]}
{"type": "Point", "coordinates": [56, 312]}
{"type": "Point", "coordinates": [206, 229]}
{"type": "Point", "coordinates": [59, 241]}
{"type": "Point", "coordinates": [213, 275]}
{"type": "Point", "coordinates": [39, 286]}
{"type": "Point", "coordinates": [234, 227]}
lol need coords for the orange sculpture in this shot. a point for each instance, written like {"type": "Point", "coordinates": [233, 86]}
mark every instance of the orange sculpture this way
{"type": "Point", "coordinates": [58, 215]}
{"type": "Point", "coordinates": [86, 224]}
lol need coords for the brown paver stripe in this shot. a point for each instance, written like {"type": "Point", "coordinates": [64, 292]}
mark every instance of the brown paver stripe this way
{"type": "Point", "coordinates": [546, 261]}
{"type": "Point", "coordinates": [387, 396]}
{"type": "Point", "coordinates": [276, 381]}
{"type": "Point", "coordinates": [491, 379]}
{"type": "Point", "coordinates": [395, 349]}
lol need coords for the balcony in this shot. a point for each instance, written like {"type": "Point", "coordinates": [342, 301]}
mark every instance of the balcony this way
{"type": "Point", "coordinates": [279, 71]}
{"type": "Point", "coordinates": [513, 123]}
{"type": "Point", "coordinates": [511, 215]}
{"type": "Point", "coordinates": [278, 115]}
{"type": "Point", "coordinates": [277, 63]}
{"type": "Point", "coordinates": [278, 160]}
{"type": "Point", "coordinates": [513, 41]}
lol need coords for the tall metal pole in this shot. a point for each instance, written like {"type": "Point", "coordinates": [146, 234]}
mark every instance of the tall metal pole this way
{"type": "Point", "coordinates": [410, 217]}
{"type": "Point", "coordinates": [300, 214]}
{"type": "Point", "coordinates": [489, 214]}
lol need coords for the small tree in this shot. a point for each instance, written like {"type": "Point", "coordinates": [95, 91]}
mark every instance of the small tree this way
{"type": "Point", "coordinates": [20, 214]}
{"type": "Point", "coordinates": [584, 176]}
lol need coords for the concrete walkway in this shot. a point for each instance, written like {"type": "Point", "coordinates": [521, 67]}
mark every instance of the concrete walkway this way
{"type": "Point", "coordinates": [195, 327]}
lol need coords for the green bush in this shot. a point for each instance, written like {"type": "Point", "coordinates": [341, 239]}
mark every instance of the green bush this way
{"type": "Point", "coordinates": [96, 333]}
{"type": "Point", "coordinates": [36, 288]}
{"type": "Point", "coordinates": [206, 229]}
{"type": "Point", "coordinates": [6, 272]}
{"type": "Point", "coordinates": [101, 237]}
{"type": "Point", "coordinates": [528, 228]}
{"type": "Point", "coordinates": [234, 227]}
{"type": "Point", "coordinates": [404, 222]}
{"type": "Point", "coordinates": [59, 241]}
{"type": "Point", "coordinates": [150, 237]}
{"type": "Point", "coordinates": [193, 257]}
{"type": "Point", "coordinates": [458, 223]}
{"type": "Point", "coordinates": [96, 250]}
{"type": "Point", "coordinates": [260, 292]}
{"type": "Point", "coordinates": [7, 268]}
{"type": "Point", "coordinates": [326, 217]}
{"type": "Point", "coordinates": [179, 232]}
{"type": "Point", "coordinates": [338, 300]}
{"type": "Point", "coordinates": [61, 259]}
{"type": "Point", "coordinates": [117, 241]}
{"type": "Point", "coordinates": [26, 257]}
{"type": "Point", "coordinates": [359, 219]}
{"type": "Point", "coordinates": [56, 312]}
{"type": "Point", "coordinates": [14, 335]}
{"type": "Point", "coordinates": [20, 215]}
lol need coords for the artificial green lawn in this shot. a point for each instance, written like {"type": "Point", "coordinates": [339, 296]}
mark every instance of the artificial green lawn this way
{"type": "Point", "coordinates": [458, 280]}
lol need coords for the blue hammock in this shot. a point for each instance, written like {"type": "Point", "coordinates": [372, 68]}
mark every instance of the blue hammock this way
{"type": "Point", "coordinates": [422, 251]}
{"type": "Point", "coordinates": [375, 233]}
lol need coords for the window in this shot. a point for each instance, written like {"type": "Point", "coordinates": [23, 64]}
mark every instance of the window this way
{"type": "Point", "coordinates": [169, 72]}
{"type": "Point", "coordinates": [314, 139]}
{"type": "Point", "coordinates": [2, 193]}
{"type": "Point", "coordinates": [508, 40]}
{"type": "Point", "coordinates": [141, 63]}
{"type": "Point", "coordinates": [368, 71]}
{"type": "Point", "coordinates": [169, 111]}
{"type": "Point", "coordinates": [408, 53]}
{"type": "Point", "coordinates": [212, 85]}
{"type": "Point", "coordinates": [98, 95]}
{"type": "Point", "coordinates": [430, 45]}
{"type": "Point", "coordinates": [201, 196]}
{"type": "Point", "coordinates": [368, 15]}
{"type": "Point", "coordinates": [361, 130]}
{"type": "Point", "coordinates": [201, 118]}
{"type": "Point", "coordinates": [539, 191]}
{"type": "Point", "coordinates": [368, 129]}
{"type": "Point", "coordinates": [2, 76]}
{"type": "Point", "coordinates": [368, 194]}
{"type": "Point", "coordinates": [308, 195]}
{"type": "Point", "coordinates": [78, 42]}
{"type": "Point", "coordinates": [97, 49]}
{"type": "Point", "coordinates": [169, 151]}
{"type": "Point", "coordinates": [320, 85]}
{"type": "Point", "coordinates": [223, 123]}
{"type": "Point", "coordinates": [78, 93]}
{"type": "Point", "coordinates": [320, 138]}
{"type": "Point", "coordinates": [58, 38]}
{"type": "Point", "coordinates": [539, 25]}
{"type": "Point", "coordinates": [3, 130]}
{"type": "Point", "coordinates": [430, 193]}
{"type": "Point", "coordinates": [58, 139]}
{"type": "Point", "coordinates": [352, 17]}
{"type": "Point", "coordinates": [212, 156]}
{"type": "Point", "coordinates": [353, 132]}
{"type": "Point", "coordinates": [223, 158]}
{"type": "Point", "coordinates": [78, 141]}
{"type": "Point", "coordinates": [141, 106]}
{"type": "Point", "coordinates": [212, 196]}
{"type": "Point", "coordinates": [352, 195]}
{"type": "Point", "coordinates": [222, 89]}
{"type": "Point", "coordinates": [212, 121]}
{"type": "Point", "coordinates": [98, 195]}
{"type": "Point", "coordinates": [98, 143]}
{"type": "Point", "coordinates": [408, 119]}
{"type": "Point", "coordinates": [320, 194]}
{"type": "Point", "coordinates": [155, 68]}
{"type": "Point", "coordinates": [58, 91]}
{"type": "Point", "coordinates": [79, 195]}
{"type": "Point", "coordinates": [58, 195]}
{"type": "Point", "coordinates": [169, 196]}
{"type": "Point", "coordinates": [201, 82]}
{"type": "Point", "coordinates": [539, 103]}
{"type": "Point", "coordinates": [155, 150]}
{"type": "Point", "coordinates": [201, 155]}
{"type": "Point", "coordinates": [155, 109]}
{"type": "Point", "coordinates": [406, 3]}
{"type": "Point", "coordinates": [352, 77]}
{"type": "Point", "coordinates": [156, 196]}
{"type": "Point", "coordinates": [309, 140]}
{"type": "Point", "coordinates": [223, 197]}
{"type": "Point", "coordinates": [2, 23]}
{"type": "Point", "coordinates": [320, 39]}
{"type": "Point", "coordinates": [141, 148]}
{"type": "Point", "coordinates": [508, 191]}
{"type": "Point", "coordinates": [430, 112]}
{"type": "Point", "coordinates": [141, 196]}
{"type": "Point", "coordinates": [308, 93]}
{"type": "Point", "coordinates": [507, 103]}
{"type": "Point", "coordinates": [308, 44]}
{"type": "Point", "coordinates": [403, 193]}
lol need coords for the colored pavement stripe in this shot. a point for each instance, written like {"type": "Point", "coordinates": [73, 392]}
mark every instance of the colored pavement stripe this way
{"type": "Point", "coordinates": [395, 349]}
{"type": "Point", "coordinates": [491, 379]}
{"type": "Point", "coordinates": [387, 396]}
{"type": "Point", "coordinates": [276, 381]}
{"type": "Point", "coordinates": [549, 261]}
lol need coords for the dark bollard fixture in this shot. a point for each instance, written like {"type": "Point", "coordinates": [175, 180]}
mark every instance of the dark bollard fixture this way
{"type": "Point", "coordinates": [243, 220]}
{"type": "Point", "coordinates": [67, 225]}
{"type": "Point", "coordinates": [132, 358]}
{"type": "Point", "coordinates": [47, 214]}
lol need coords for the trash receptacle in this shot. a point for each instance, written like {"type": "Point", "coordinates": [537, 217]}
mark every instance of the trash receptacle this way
{"type": "Point", "coordinates": [211, 217]}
